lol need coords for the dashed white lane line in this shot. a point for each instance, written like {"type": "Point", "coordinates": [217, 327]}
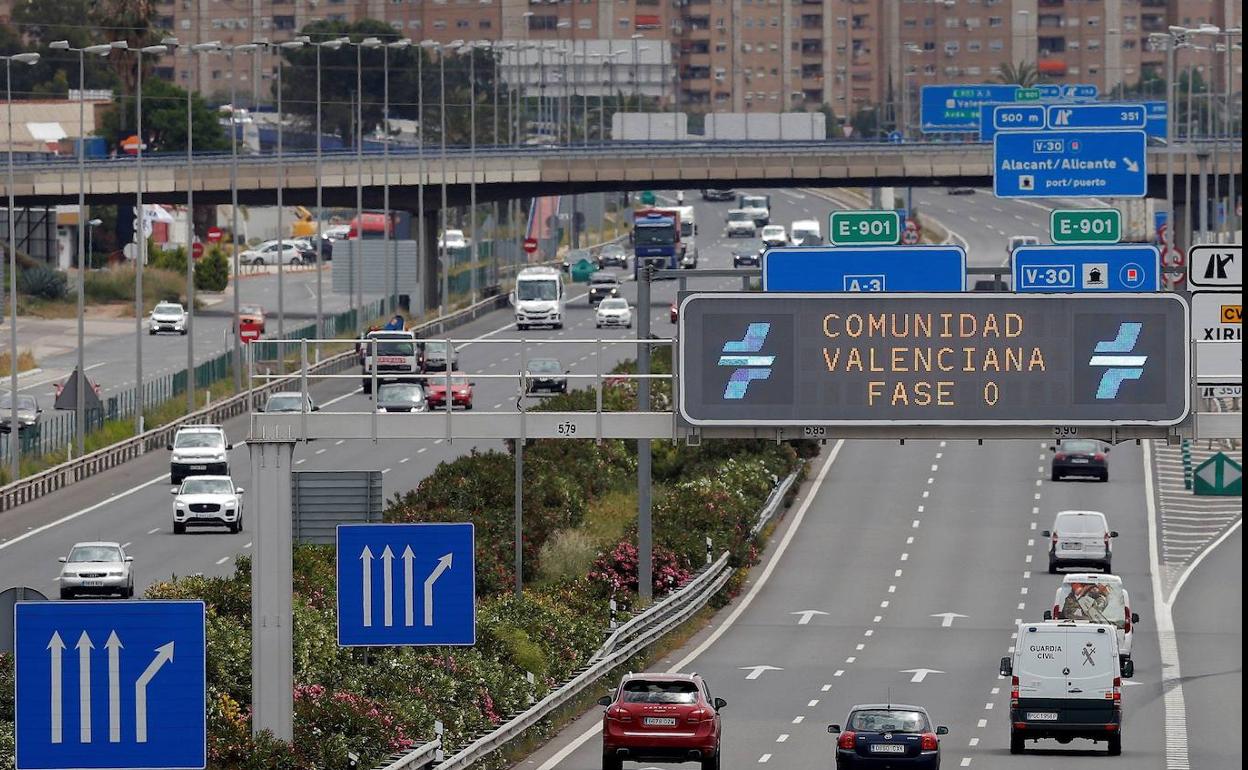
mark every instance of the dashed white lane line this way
{"type": "Point", "coordinates": [385, 471]}
{"type": "Point", "coordinates": [988, 706]}
{"type": "Point", "coordinates": [223, 560]}
{"type": "Point", "coordinates": [153, 530]}
{"type": "Point", "coordinates": [860, 647]}
{"type": "Point", "coordinates": [982, 723]}
{"type": "Point", "coordinates": [910, 540]}
{"type": "Point", "coordinates": [905, 557]}
{"type": "Point", "coordinates": [878, 618]}
{"type": "Point", "coordinates": [247, 545]}
{"type": "Point", "coordinates": [966, 762]}
{"type": "Point", "coordinates": [892, 589]}
{"type": "Point", "coordinates": [914, 524]}
{"type": "Point", "coordinates": [897, 573]}
{"type": "Point", "coordinates": [764, 759]}
{"type": "Point", "coordinates": [884, 604]}
{"type": "Point", "coordinates": [782, 737]}
{"type": "Point", "coordinates": [321, 451]}
{"type": "Point", "coordinates": [850, 659]}
{"type": "Point", "coordinates": [405, 459]}
{"type": "Point", "coordinates": [422, 450]}
{"type": "Point", "coordinates": [798, 720]}
{"type": "Point", "coordinates": [125, 544]}
{"type": "Point", "coordinates": [301, 461]}
{"type": "Point", "coordinates": [814, 702]}
{"type": "Point", "coordinates": [973, 742]}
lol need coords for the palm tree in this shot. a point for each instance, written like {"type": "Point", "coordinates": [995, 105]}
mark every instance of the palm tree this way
{"type": "Point", "coordinates": [1021, 74]}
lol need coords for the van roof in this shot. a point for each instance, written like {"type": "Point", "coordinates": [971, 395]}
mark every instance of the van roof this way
{"type": "Point", "coordinates": [540, 271]}
{"type": "Point", "coordinates": [1064, 625]}
{"type": "Point", "coordinates": [1091, 577]}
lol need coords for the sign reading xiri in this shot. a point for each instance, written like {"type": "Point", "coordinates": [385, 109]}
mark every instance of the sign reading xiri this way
{"type": "Point", "coordinates": [749, 359]}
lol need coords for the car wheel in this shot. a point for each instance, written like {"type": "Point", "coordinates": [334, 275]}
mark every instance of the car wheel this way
{"type": "Point", "coordinates": [711, 762]}
{"type": "Point", "coordinates": [179, 529]}
{"type": "Point", "coordinates": [1055, 476]}
{"type": "Point", "coordinates": [521, 328]}
{"type": "Point", "coordinates": [1105, 476]}
{"type": "Point", "coordinates": [1052, 567]}
{"type": "Point", "coordinates": [1107, 568]}
{"type": "Point", "coordinates": [1016, 743]}
{"type": "Point", "coordinates": [1115, 745]}
{"type": "Point", "coordinates": [151, 332]}
{"type": "Point", "coordinates": [67, 594]}
{"type": "Point", "coordinates": [295, 262]}
{"type": "Point", "coordinates": [612, 763]}
{"type": "Point", "coordinates": [558, 326]}
{"type": "Point", "coordinates": [236, 527]}
{"type": "Point", "coordinates": [183, 332]}
{"type": "Point", "coordinates": [468, 405]}
{"type": "Point", "coordinates": [597, 326]}
{"type": "Point", "coordinates": [367, 387]}
{"type": "Point", "coordinates": [257, 262]}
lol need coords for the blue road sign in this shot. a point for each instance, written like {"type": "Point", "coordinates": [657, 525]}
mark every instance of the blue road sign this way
{"type": "Point", "coordinates": [865, 268]}
{"type": "Point", "coordinates": [406, 584]}
{"type": "Point", "coordinates": [957, 108]}
{"type": "Point", "coordinates": [1009, 117]}
{"type": "Point", "coordinates": [105, 684]}
{"type": "Point", "coordinates": [1069, 164]}
{"type": "Point", "coordinates": [1068, 269]}
{"type": "Point", "coordinates": [1080, 91]}
{"type": "Point", "coordinates": [1158, 117]}
{"type": "Point", "coordinates": [1066, 116]}
{"type": "Point", "coordinates": [895, 137]}
{"type": "Point", "coordinates": [1049, 91]}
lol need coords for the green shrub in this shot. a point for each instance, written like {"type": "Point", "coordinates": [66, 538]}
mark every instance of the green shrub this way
{"type": "Point", "coordinates": [520, 649]}
{"type": "Point", "coordinates": [42, 281]}
{"type": "Point", "coordinates": [173, 260]}
{"type": "Point", "coordinates": [212, 271]}
{"type": "Point", "coordinates": [568, 554]}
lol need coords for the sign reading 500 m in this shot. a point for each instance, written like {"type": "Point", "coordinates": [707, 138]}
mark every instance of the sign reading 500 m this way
{"type": "Point", "coordinates": [749, 359]}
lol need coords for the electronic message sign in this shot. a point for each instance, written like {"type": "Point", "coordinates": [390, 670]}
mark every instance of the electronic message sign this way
{"type": "Point", "coordinates": [753, 360]}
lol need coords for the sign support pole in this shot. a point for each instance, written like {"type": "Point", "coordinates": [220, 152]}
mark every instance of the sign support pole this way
{"type": "Point", "coordinates": [519, 494]}
{"type": "Point", "coordinates": [272, 650]}
{"type": "Point", "coordinates": [645, 541]}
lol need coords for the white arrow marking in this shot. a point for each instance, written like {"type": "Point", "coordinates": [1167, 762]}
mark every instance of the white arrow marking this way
{"type": "Point", "coordinates": [920, 673]}
{"type": "Point", "coordinates": [387, 586]}
{"type": "Point", "coordinates": [408, 603]}
{"type": "Point", "coordinates": [114, 687]}
{"type": "Point", "coordinates": [1132, 166]}
{"type": "Point", "coordinates": [946, 618]}
{"type": "Point", "coordinates": [757, 671]}
{"type": "Point", "coordinates": [366, 566]}
{"type": "Point", "coordinates": [443, 565]}
{"type": "Point", "coordinates": [806, 615]}
{"type": "Point", "coordinates": [164, 654]}
{"type": "Point", "coordinates": [84, 648]}
{"type": "Point", "coordinates": [56, 648]}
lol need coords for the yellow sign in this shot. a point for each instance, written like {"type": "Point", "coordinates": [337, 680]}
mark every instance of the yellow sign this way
{"type": "Point", "coordinates": [1232, 314]}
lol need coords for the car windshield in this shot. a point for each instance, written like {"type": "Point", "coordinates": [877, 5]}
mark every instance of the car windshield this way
{"type": "Point", "coordinates": [436, 348]}
{"type": "Point", "coordinates": [395, 348]}
{"type": "Point", "coordinates": [612, 251]}
{"type": "Point", "coordinates": [1081, 447]}
{"type": "Point", "coordinates": [545, 289]}
{"type": "Point", "coordinates": [654, 235]}
{"type": "Point", "coordinates": [167, 308]}
{"type": "Point", "coordinates": [1080, 524]}
{"type": "Point", "coordinates": [773, 232]}
{"type": "Point", "coordinates": [545, 366]}
{"type": "Point", "coordinates": [1097, 602]}
{"type": "Point", "coordinates": [739, 216]}
{"type": "Point", "coordinates": [207, 487]}
{"type": "Point", "coordinates": [198, 439]}
{"type": "Point", "coordinates": [641, 691]}
{"type": "Point", "coordinates": [400, 391]}
{"type": "Point", "coordinates": [606, 278]}
{"type": "Point", "coordinates": [81, 553]}
{"type": "Point", "coordinates": [615, 303]}
{"type": "Point", "coordinates": [753, 202]}
{"type": "Point", "coordinates": [27, 403]}
{"type": "Point", "coordinates": [888, 720]}
{"type": "Point", "coordinates": [283, 403]}
{"type": "Point", "coordinates": [250, 310]}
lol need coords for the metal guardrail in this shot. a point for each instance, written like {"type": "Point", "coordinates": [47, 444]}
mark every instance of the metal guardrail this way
{"type": "Point", "coordinates": [416, 759]}
{"type": "Point", "coordinates": [774, 499]}
{"type": "Point", "coordinates": [60, 476]}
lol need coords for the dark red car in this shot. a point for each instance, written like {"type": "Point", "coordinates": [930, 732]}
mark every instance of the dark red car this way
{"type": "Point", "coordinates": [674, 312]}
{"type": "Point", "coordinates": [661, 718]}
{"type": "Point", "coordinates": [461, 391]}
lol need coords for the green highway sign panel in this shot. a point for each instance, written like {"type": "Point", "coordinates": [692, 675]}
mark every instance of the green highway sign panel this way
{"type": "Point", "coordinates": [1219, 476]}
{"type": "Point", "coordinates": [758, 360]}
{"type": "Point", "coordinates": [1085, 225]}
{"type": "Point", "coordinates": [864, 228]}
{"type": "Point", "coordinates": [1027, 95]}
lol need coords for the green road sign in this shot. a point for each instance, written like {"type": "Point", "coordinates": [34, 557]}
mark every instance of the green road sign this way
{"type": "Point", "coordinates": [1027, 95]}
{"type": "Point", "coordinates": [864, 228]}
{"type": "Point", "coordinates": [1085, 225]}
{"type": "Point", "coordinates": [1220, 476]}
{"type": "Point", "coordinates": [647, 197]}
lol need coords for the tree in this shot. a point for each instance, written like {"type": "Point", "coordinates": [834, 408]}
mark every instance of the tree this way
{"type": "Point", "coordinates": [212, 272]}
{"type": "Point", "coordinates": [35, 24]}
{"type": "Point", "coordinates": [164, 119]}
{"type": "Point", "coordinates": [1022, 74]}
{"type": "Point", "coordinates": [129, 20]}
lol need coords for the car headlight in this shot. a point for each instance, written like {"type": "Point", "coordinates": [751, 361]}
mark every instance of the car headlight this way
{"type": "Point", "coordinates": [179, 505]}
{"type": "Point", "coordinates": [69, 574]}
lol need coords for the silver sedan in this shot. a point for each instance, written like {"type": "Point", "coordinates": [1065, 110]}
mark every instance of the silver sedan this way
{"type": "Point", "coordinates": [98, 568]}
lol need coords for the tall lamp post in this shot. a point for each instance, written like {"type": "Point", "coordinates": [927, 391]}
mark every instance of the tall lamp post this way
{"type": "Point", "coordinates": [80, 408]}
{"type": "Point", "coordinates": [333, 45]}
{"type": "Point", "coordinates": [471, 50]}
{"type": "Point", "coordinates": [391, 257]}
{"type": "Point", "coordinates": [15, 442]}
{"type": "Point", "coordinates": [357, 260]}
{"type": "Point", "coordinates": [276, 49]}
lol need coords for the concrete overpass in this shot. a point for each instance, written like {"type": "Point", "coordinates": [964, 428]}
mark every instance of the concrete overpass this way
{"type": "Point", "coordinates": [509, 172]}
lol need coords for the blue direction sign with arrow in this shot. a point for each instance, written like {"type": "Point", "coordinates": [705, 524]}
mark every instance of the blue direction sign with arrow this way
{"type": "Point", "coordinates": [406, 584]}
{"type": "Point", "coordinates": [956, 108]}
{"type": "Point", "coordinates": [1080, 91]}
{"type": "Point", "coordinates": [1070, 164]}
{"type": "Point", "coordinates": [1062, 116]}
{"type": "Point", "coordinates": [104, 684]}
{"type": "Point", "coordinates": [1068, 269]}
{"type": "Point", "coordinates": [865, 268]}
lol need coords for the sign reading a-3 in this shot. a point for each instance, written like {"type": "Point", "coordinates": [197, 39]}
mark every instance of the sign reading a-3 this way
{"type": "Point", "coordinates": [865, 268]}
{"type": "Point", "coordinates": [751, 359]}
{"type": "Point", "coordinates": [114, 685]}
{"type": "Point", "coordinates": [1070, 164]}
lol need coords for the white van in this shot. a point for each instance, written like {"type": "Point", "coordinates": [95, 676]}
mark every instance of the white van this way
{"type": "Point", "coordinates": [398, 357]}
{"type": "Point", "coordinates": [1080, 539]}
{"type": "Point", "coordinates": [539, 298]}
{"type": "Point", "coordinates": [805, 232]}
{"type": "Point", "coordinates": [1099, 599]}
{"type": "Point", "coordinates": [1066, 683]}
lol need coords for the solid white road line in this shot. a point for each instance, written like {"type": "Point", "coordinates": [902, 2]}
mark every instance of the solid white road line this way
{"type": "Point", "coordinates": [714, 636]}
{"type": "Point", "coordinates": [164, 477]}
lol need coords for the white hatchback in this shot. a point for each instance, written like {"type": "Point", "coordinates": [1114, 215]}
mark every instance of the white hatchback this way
{"type": "Point", "coordinates": [1080, 539]}
{"type": "Point", "coordinates": [775, 235]}
{"type": "Point", "coordinates": [613, 311]}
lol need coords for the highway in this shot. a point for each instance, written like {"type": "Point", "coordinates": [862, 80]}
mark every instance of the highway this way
{"type": "Point", "coordinates": [885, 540]}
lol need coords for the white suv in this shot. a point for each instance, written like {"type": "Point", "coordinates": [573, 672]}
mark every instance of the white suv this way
{"type": "Point", "coordinates": [1080, 539]}
{"type": "Point", "coordinates": [167, 317]}
{"type": "Point", "coordinates": [199, 450]}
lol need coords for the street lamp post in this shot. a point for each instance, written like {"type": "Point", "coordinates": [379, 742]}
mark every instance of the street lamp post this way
{"type": "Point", "coordinates": [333, 45]}
{"type": "Point", "coordinates": [421, 256]}
{"type": "Point", "coordinates": [232, 51]}
{"type": "Point", "coordinates": [391, 257]}
{"type": "Point", "coordinates": [277, 48]}
{"type": "Point", "coordinates": [80, 425]}
{"type": "Point", "coordinates": [471, 50]}
{"type": "Point", "coordinates": [15, 443]}
{"type": "Point", "coordinates": [357, 261]}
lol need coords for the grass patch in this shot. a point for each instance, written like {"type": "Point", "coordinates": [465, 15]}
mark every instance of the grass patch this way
{"type": "Point", "coordinates": [116, 284]}
{"type": "Point", "coordinates": [25, 362]}
{"type": "Point", "coordinates": [570, 553]}
{"type": "Point", "coordinates": [47, 308]}
{"type": "Point", "coordinates": [609, 516]}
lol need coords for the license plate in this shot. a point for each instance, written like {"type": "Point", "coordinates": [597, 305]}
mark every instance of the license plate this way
{"type": "Point", "coordinates": [93, 583]}
{"type": "Point", "coordinates": [199, 467]}
{"type": "Point", "coordinates": [659, 721]}
{"type": "Point", "coordinates": [205, 515]}
{"type": "Point", "coordinates": [888, 748]}
{"type": "Point", "coordinates": [1072, 546]}
{"type": "Point", "coordinates": [1078, 459]}
{"type": "Point", "coordinates": [1042, 716]}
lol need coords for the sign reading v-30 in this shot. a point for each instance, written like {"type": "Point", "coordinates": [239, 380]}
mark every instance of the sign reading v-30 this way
{"type": "Point", "coordinates": [1060, 269]}
{"type": "Point", "coordinates": [105, 684]}
{"type": "Point", "coordinates": [1069, 164]}
{"type": "Point", "coordinates": [865, 268]}
{"type": "Point", "coordinates": [406, 585]}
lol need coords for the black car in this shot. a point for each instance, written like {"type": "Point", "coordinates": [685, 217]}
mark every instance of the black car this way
{"type": "Point", "coordinates": [435, 356]}
{"type": "Point", "coordinates": [28, 412]}
{"type": "Point", "coordinates": [1080, 457]}
{"type": "Point", "coordinates": [603, 285]}
{"type": "Point", "coordinates": [613, 255]}
{"type": "Point", "coordinates": [401, 397]}
{"type": "Point", "coordinates": [719, 195]}
{"type": "Point", "coordinates": [888, 735]}
{"type": "Point", "coordinates": [546, 375]}
{"type": "Point", "coordinates": [960, 191]}
{"type": "Point", "coordinates": [747, 256]}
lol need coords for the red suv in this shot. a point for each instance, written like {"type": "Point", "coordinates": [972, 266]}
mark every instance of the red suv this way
{"type": "Point", "coordinates": [661, 718]}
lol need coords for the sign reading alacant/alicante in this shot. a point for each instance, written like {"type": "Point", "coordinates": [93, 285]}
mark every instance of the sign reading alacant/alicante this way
{"type": "Point", "coordinates": [750, 359]}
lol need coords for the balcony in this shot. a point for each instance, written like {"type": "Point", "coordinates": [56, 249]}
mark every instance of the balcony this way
{"type": "Point", "coordinates": [812, 47]}
{"type": "Point", "coordinates": [812, 22]}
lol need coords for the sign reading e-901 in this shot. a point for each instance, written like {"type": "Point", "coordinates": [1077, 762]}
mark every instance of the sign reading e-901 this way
{"type": "Point", "coordinates": [749, 359]}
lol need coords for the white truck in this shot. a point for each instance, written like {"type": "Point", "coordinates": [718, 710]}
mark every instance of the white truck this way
{"type": "Point", "coordinates": [688, 240]}
{"type": "Point", "coordinates": [759, 207]}
{"type": "Point", "coordinates": [398, 358]}
{"type": "Point", "coordinates": [805, 232]}
{"type": "Point", "coordinates": [539, 298]}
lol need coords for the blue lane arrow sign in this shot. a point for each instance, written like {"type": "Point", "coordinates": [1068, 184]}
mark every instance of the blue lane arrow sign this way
{"type": "Point", "coordinates": [1125, 267]}
{"type": "Point", "coordinates": [1064, 116]}
{"type": "Point", "coordinates": [110, 685]}
{"type": "Point", "coordinates": [865, 268]}
{"type": "Point", "coordinates": [1070, 164]}
{"type": "Point", "coordinates": [406, 585]}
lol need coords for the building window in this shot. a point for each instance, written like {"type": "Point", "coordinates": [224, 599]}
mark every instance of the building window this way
{"type": "Point", "coordinates": [995, 21]}
{"type": "Point", "coordinates": [996, 45]}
